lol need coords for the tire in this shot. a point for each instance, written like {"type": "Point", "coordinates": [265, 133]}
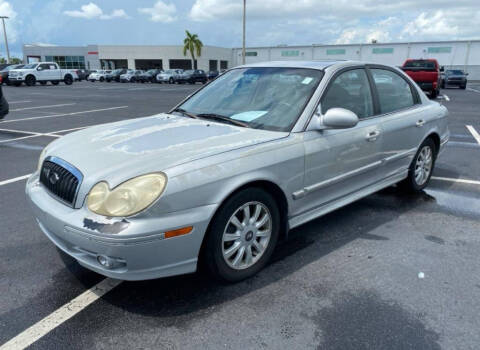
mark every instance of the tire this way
{"type": "Point", "coordinates": [414, 183]}
{"type": "Point", "coordinates": [30, 80]}
{"type": "Point", "coordinates": [170, 81]}
{"type": "Point", "coordinates": [463, 87]}
{"type": "Point", "coordinates": [102, 79]}
{"type": "Point", "coordinates": [433, 94]}
{"type": "Point", "coordinates": [236, 267]}
{"type": "Point", "coordinates": [204, 81]}
{"type": "Point", "coordinates": [443, 84]}
{"type": "Point", "coordinates": [68, 80]}
{"type": "Point", "coordinates": [43, 83]}
{"type": "Point", "coordinates": [133, 80]}
{"type": "Point", "coordinates": [55, 82]}
{"type": "Point", "coordinates": [8, 83]}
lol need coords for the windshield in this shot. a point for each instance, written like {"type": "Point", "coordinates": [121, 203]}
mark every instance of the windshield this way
{"type": "Point", "coordinates": [169, 71]}
{"type": "Point", "coordinates": [420, 64]}
{"type": "Point", "coordinates": [262, 98]}
{"type": "Point", "coordinates": [190, 71]}
{"type": "Point", "coordinates": [30, 66]}
{"type": "Point", "coordinates": [456, 72]}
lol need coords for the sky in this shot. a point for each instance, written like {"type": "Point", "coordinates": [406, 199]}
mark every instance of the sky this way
{"type": "Point", "coordinates": [219, 22]}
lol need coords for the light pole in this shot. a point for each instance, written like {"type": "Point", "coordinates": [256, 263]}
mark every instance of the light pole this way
{"type": "Point", "coordinates": [5, 36]}
{"type": "Point", "coordinates": [243, 45]}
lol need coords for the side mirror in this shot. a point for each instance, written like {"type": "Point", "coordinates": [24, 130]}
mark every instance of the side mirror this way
{"type": "Point", "coordinates": [442, 68]}
{"type": "Point", "coordinates": [39, 68]}
{"type": "Point", "coordinates": [337, 118]}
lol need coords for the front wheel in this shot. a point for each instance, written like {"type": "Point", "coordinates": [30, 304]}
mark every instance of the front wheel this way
{"type": "Point", "coordinates": [30, 80]}
{"type": "Point", "coordinates": [421, 168]}
{"type": "Point", "coordinates": [102, 79]}
{"type": "Point", "coordinates": [242, 235]}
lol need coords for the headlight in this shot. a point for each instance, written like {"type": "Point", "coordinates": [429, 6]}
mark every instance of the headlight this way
{"type": "Point", "coordinates": [128, 198]}
{"type": "Point", "coordinates": [42, 156]}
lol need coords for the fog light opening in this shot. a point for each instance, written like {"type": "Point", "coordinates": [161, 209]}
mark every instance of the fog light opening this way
{"type": "Point", "coordinates": [105, 261]}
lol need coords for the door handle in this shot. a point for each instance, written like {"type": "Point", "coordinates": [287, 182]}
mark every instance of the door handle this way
{"type": "Point", "coordinates": [372, 136]}
{"type": "Point", "coordinates": [420, 123]}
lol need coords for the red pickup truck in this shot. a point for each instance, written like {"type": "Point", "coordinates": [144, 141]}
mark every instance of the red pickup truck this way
{"type": "Point", "coordinates": [426, 73]}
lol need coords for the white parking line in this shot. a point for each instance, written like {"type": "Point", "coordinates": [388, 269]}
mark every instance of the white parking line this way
{"type": "Point", "coordinates": [473, 90]}
{"type": "Point", "coordinates": [463, 181]}
{"type": "Point", "coordinates": [64, 313]}
{"type": "Point", "coordinates": [61, 115]}
{"type": "Point", "coordinates": [15, 179]}
{"type": "Point", "coordinates": [474, 133]}
{"type": "Point", "coordinates": [37, 107]}
{"type": "Point", "coordinates": [446, 97]}
{"type": "Point", "coordinates": [13, 102]}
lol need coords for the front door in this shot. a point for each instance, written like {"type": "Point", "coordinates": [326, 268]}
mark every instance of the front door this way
{"type": "Point", "coordinates": [341, 162]}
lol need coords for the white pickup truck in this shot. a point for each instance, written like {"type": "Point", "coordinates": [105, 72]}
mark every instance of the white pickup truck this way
{"type": "Point", "coordinates": [42, 72]}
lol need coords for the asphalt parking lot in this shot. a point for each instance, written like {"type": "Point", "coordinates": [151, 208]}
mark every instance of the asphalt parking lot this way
{"type": "Point", "coordinates": [391, 271]}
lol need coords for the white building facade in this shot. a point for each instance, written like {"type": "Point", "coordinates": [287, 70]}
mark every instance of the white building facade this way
{"type": "Point", "coordinates": [463, 55]}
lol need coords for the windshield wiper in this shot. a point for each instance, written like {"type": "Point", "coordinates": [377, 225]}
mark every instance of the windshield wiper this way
{"type": "Point", "coordinates": [184, 112]}
{"type": "Point", "coordinates": [222, 118]}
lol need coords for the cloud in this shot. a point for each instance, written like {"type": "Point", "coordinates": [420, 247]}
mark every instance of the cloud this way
{"type": "Point", "coordinates": [91, 10]}
{"type": "Point", "coordinates": [6, 9]}
{"type": "Point", "coordinates": [160, 12]}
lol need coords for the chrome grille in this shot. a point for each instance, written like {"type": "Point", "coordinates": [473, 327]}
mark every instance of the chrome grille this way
{"type": "Point", "coordinates": [60, 180]}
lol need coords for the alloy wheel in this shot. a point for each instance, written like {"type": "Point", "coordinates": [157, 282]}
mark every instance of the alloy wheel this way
{"type": "Point", "coordinates": [246, 235]}
{"type": "Point", "coordinates": [423, 165]}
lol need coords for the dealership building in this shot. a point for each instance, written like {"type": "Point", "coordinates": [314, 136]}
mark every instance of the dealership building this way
{"type": "Point", "coordinates": [463, 55]}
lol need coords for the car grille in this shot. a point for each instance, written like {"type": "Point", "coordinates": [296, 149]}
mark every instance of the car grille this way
{"type": "Point", "coordinates": [59, 181]}
{"type": "Point", "coordinates": [454, 79]}
{"type": "Point", "coordinates": [13, 74]}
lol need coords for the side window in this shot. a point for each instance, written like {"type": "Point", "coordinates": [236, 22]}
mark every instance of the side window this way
{"type": "Point", "coordinates": [52, 66]}
{"type": "Point", "coordinates": [350, 90]}
{"type": "Point", "coordinates": [45, 66]}
{"type": "Point", "coordinates": [394, 92]}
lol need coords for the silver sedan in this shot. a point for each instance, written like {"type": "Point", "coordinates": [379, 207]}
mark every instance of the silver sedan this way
{"type": "Point", "coordinates": [224, 175]}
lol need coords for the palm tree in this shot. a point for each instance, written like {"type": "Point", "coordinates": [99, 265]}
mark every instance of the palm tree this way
{"type": "Point", "coordinates": [192, 44]}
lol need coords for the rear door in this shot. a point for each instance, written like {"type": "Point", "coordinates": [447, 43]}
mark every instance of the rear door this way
{"type": "Point", "coordinates": [401, 115]}
{"type": "Point", "coordinates": [340, 162]}
{"type": "Point", "coordinates": [55, 72]}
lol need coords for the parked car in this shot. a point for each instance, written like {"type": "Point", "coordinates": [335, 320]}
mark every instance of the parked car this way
{"type": "Point", "coordinates": [4, 108]}
{"type": "Point", "coordinates": [454, 77]}
{"type": "Point", "coordinates": [115, 75]}
{"type": "Point", "coordinates": [192, 76]}
{"type": "Point", "coordinates": [82, 74]}
{"type": "Point", "coordinates": [169, 76]}
{"type": "Point", "coordinates": [212, 74]}
{"type": "Point", "coordinates": [223, 176]}
{"type": "Point", "coordinates": [5, 71]}
{"type": "Point", "coordinates": [42, 72]}
{"type": "Point", "coordinates": [426, 73]}
{"type": "Point", "coordinates": [99, 75]}
{"type": "Point", "coordinates": [149, 76]}
{"type": "Point", "coordinates": [131, 76]}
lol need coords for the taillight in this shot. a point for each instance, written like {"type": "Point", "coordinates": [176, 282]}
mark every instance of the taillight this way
{"type": "Point", "coordinates": [1, 78]}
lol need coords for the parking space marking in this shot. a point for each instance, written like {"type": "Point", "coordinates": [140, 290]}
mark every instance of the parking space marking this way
{"type": "Point", "coordinates": [15, 179]}
{"type": "Point", "coordinates": [13, 102]}
{"type": "Point", "coordinates": [474, 90]}
{"type": "Point", "coordinates": [446, 97]}
{"type": "Point", "coordinates": [37, 107]}
{"type": "Point", "coordinates": [464, 181]}
{"type": "Point", "coordinates": [474, 132]}
{"type": "Point", "coordinates": [62, 115]}
{"type": "Point", "coordinates": [64, 313]}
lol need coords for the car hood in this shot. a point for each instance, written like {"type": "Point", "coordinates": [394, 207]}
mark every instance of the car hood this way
{"type": "Point", "coordinates": [119, 151]}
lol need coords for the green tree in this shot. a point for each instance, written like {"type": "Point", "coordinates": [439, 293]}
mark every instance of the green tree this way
{"type": "Point", "coordinates": [193, 45]}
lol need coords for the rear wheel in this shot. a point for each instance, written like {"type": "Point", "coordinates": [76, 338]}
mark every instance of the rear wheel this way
{"type": "Point", "coordinates": [30, 80]}
{"type": "Point", "coordinates": [68, 80]}
{"type": "Point", "coordinates": [242, 235]}
{"type": "Point", "coordinates": [170, 81]}
{"type": "Point", "coordinates": [433, 94]}
{"type": "Point", "coordinates": [421, 168]}
{"type": "Point", "coordinates": [102, 79]}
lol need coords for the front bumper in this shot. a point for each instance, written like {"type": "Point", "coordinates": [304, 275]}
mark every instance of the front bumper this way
{"type": "Point", "coordinates": [136, 245]}
{"type": "Point", "coordinates": [455, 82]}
